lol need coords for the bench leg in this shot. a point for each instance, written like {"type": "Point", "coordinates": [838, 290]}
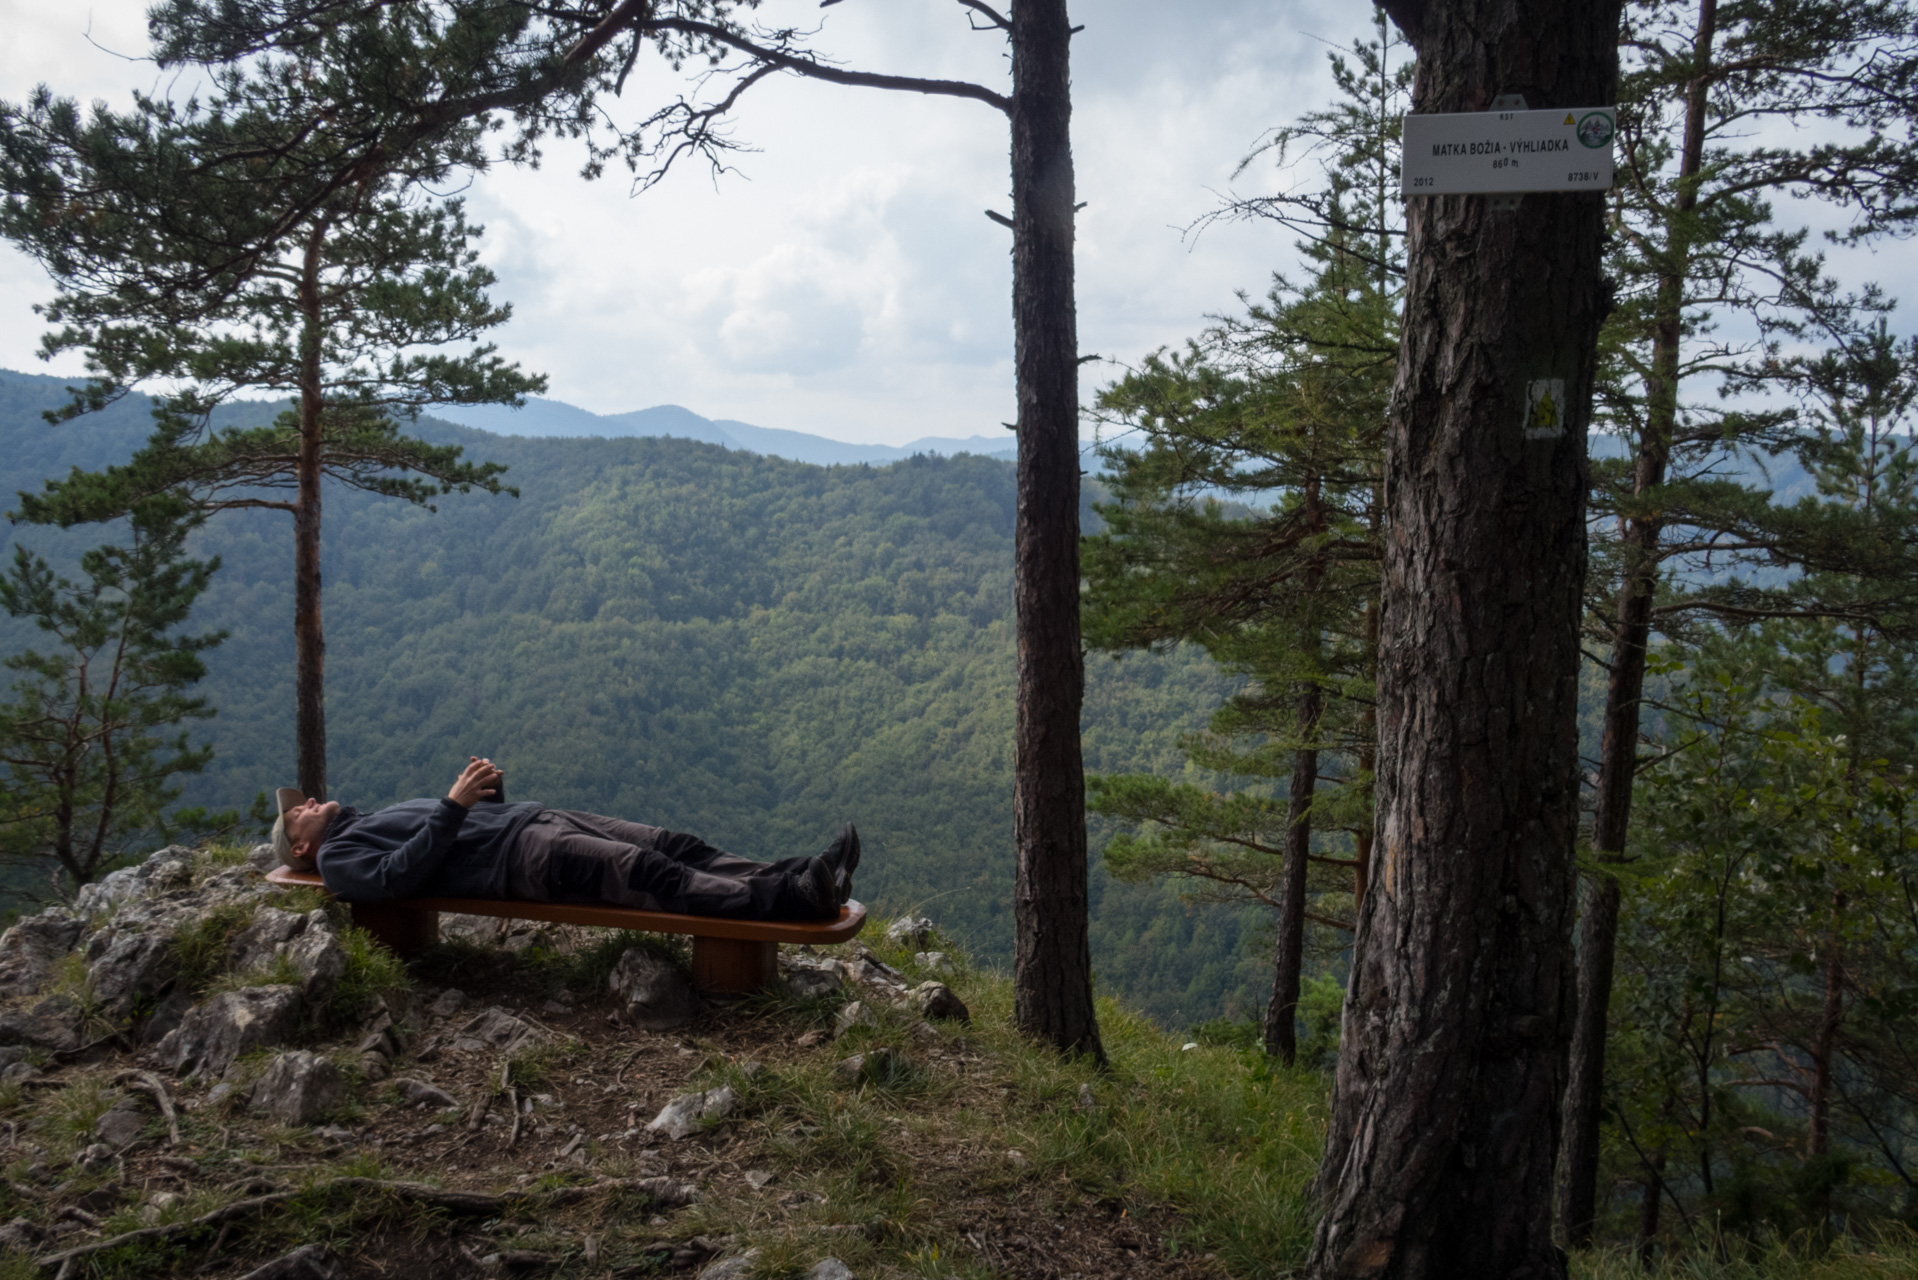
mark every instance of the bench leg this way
{"type": "Point", "coordinates": [404, 930]}
{"type": "Point", "coordinates": [729, 966]}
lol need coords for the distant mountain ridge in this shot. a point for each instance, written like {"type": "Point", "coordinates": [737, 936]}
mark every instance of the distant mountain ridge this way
{"type": "Point", "coordinates": [555, 418]}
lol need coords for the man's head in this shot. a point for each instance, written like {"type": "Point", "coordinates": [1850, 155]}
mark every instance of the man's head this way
{"type": "Point", "coordinates": [300, 828]}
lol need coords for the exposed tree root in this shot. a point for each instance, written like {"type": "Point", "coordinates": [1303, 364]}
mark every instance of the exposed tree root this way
{"type": "Point", "coordinates": [664, 1190]}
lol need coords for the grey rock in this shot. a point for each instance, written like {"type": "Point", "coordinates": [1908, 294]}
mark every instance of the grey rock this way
{"type": "Point", "coordinates": [857, 1014]}
{"type": "Point", "coordinates": [299, 1087]}
{"type": "Point", "coordinates": [170, 868]}
{"type": "Point", "coordinates": [97, 1156]}
{"type": "Point", "coordinates": [759, 1179]}
{"type": "Point", "coordinates": [738, 1267]}
{"type": "Point", "coordinates": [685, 1114]}
{"type": "Point", "coordinates": [814, 984]}
{"type": "Point", "coordinates": [481, 931]}
{"type": "Point", "coordinates": [318, 957]}
{"type": "Point", "coordinates": [910, 931]}
{"type": "Point", "coordinates": [933, 961]}
{"type": "Point", "coordinates": [30, 950]}
{"type": "Point", "coordinates": [418, 1091]}
{"type": "Point", "coordinates": [308, 1262]}
{"type": "Point", "coordinates": [122, 1124]}
{"type": "Point", "coordinates": [876, 1064]}
{"type": "Point", "coordinates": [260, 858]}
{"type": "Point", "coordinates": [18, 1071]}
{"type": "Point", "coordinates": [1087, 1102]}
{"type": "Point", "coordinates": [494, 1028]}
{"type": "Point", "coordinates": [656, 995]}
{"type": "Point", "coordinates": [221, 1092]}
{"type": "Point", "coordinates": [21, 1236]}
{"type": "Point", "coordinates": [166, 1016]}
{"type": "Point", "coordinates": [450, 1002]}
{"type": "Point", "coordinates": [830, 1269]}
{"type": "Point", "coordinates": [260, 943]}
{"type": "Point", "coordinates": [936, 1000]}
{"type": "Point", "coordinates": [213, 1034]}
{"type": "Point", "coordinates": [53, 1024]}
{"type": "Point", "coordinates": [130, 971]}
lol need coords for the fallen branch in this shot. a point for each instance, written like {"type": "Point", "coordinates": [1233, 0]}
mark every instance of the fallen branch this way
{"type": "Point", "coordinates": [147, 1082]}
{"type": "Point", "coordinates": [664, 1190]}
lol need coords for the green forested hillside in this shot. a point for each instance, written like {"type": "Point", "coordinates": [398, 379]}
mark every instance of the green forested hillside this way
{"type": "Point", "coordinates": [737, 645]}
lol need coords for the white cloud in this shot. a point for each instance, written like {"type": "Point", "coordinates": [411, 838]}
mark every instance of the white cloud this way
{"type": "Point", "coordinates": [845, 280]}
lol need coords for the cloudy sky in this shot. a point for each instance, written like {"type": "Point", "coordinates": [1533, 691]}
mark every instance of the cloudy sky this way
{"type": "Point", "coordinates": [846, 280]}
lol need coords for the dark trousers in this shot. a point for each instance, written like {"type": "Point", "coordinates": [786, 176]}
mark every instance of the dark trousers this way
{"type": "Point", "coordinates": [564, 856]}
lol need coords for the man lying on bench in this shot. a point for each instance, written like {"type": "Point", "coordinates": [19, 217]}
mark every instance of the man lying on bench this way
{"type": "Point", "coordinates": [459, 848]}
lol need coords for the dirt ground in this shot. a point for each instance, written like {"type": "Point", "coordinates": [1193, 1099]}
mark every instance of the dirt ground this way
{"type": "Point", "coordinates": [913, 1174]}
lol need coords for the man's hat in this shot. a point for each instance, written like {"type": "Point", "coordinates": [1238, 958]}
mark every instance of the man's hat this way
{"type": "Point", "coordinates": [288, 798]}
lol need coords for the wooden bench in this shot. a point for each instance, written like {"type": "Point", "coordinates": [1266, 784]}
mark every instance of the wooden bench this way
{"type": "Point", "coordinates": [729, 956]}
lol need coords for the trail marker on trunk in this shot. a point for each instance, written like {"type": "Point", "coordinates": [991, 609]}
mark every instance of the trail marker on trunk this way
{"type": "Point", "coordinates": [1509, 152]}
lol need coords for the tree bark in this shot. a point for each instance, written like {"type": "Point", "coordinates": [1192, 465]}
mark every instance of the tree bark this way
{"type": "Point", "coordinates": [309, 638]}
{"type": "Point", "coordinates": [1648, 1210]}
{"type": "Point", "coordinates": [1631, 639]}
{"type": "Point", "coordinates": [1444, 1125]}
{"type": "Point", "coordinates": [1052, 959]}
{"type": "Point", "coordinates": [1288, 963]}
{"type": "Point", "coordinates": [1825, 1044]}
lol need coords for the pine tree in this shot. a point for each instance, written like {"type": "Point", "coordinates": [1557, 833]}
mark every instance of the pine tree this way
{"type": "Point", "coordinates": [86, 763]}
{"type": "Point", "coordinates": [349, 314]}
{"type": "Point", "coordinates": [1695, 243]}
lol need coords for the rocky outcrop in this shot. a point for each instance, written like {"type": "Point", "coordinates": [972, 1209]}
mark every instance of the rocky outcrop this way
{"type": "Point", "coordinates": [307, 943]}
{"type": "Point", "coordinates": [167, 871]}
{"type": "Point", "coordinates": [127, 969]}
{"type": "Point", "coordinates": [31, 949]}
{"type": "Point", "coordinates": [55, 1024]}
{"type": "Point", "coordinates": [213, 1034]}
{"type": "Point", "coordinates": [654, 993]}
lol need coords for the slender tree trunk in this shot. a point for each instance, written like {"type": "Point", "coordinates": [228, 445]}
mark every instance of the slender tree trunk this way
{"type": "Point", "coordinates": [1648, 1210]}
{"type": "Point", "coordinates": [1618, 751]}
{"type": "Point", "coordinates": [308, 636]}
{"type": "Point", "coordinates": [1052, 960]}
{"type": "Point", "coordinates": [1824, 1046]}
{"type": "Point", "coordinates": [1443, 1133]}
{"type": "Point", "coordinates": [1281, 1014]}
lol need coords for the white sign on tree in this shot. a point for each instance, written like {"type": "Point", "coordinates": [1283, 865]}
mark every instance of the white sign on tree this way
{"type": "Point", "coordinates": [1509, 152]}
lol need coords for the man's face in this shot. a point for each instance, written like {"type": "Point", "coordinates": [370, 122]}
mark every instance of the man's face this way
{"type": "Point", "coordinates": [306, 822]}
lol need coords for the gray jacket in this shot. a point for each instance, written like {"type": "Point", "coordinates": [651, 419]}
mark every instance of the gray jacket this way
{"type": "Point", "coordinates": [421, 849]}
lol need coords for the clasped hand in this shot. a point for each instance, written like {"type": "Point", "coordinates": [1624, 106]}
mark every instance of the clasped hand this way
{"type": "Point", "coordinates": [480, 779]}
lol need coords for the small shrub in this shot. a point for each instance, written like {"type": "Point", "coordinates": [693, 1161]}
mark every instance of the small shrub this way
{"type": "Point", "coordinates": [200, 946]}
{"type": "Point", "coordinates": [371, 970]}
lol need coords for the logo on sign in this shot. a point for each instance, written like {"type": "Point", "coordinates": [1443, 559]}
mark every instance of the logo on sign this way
{"type": "Point", "coordinates": [1595, 130]}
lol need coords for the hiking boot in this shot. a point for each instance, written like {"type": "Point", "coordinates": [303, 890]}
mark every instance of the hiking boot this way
{"type": "Point", "coordinates": [842, 855]}
{"type": "Point", "coordinates": [814, 890]}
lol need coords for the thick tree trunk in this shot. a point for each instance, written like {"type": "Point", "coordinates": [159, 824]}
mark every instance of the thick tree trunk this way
{"type": "Point", "coordinates": [1052, 961]}
{"type": "Point", "coordinates": [308, 636]}
{"type": "Point", "coordinates": [1631, 640]}
{"type": "Point", "coordinates": [1288, 963]}
{"type": "Point", "coordinates": [1444, 1127]}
